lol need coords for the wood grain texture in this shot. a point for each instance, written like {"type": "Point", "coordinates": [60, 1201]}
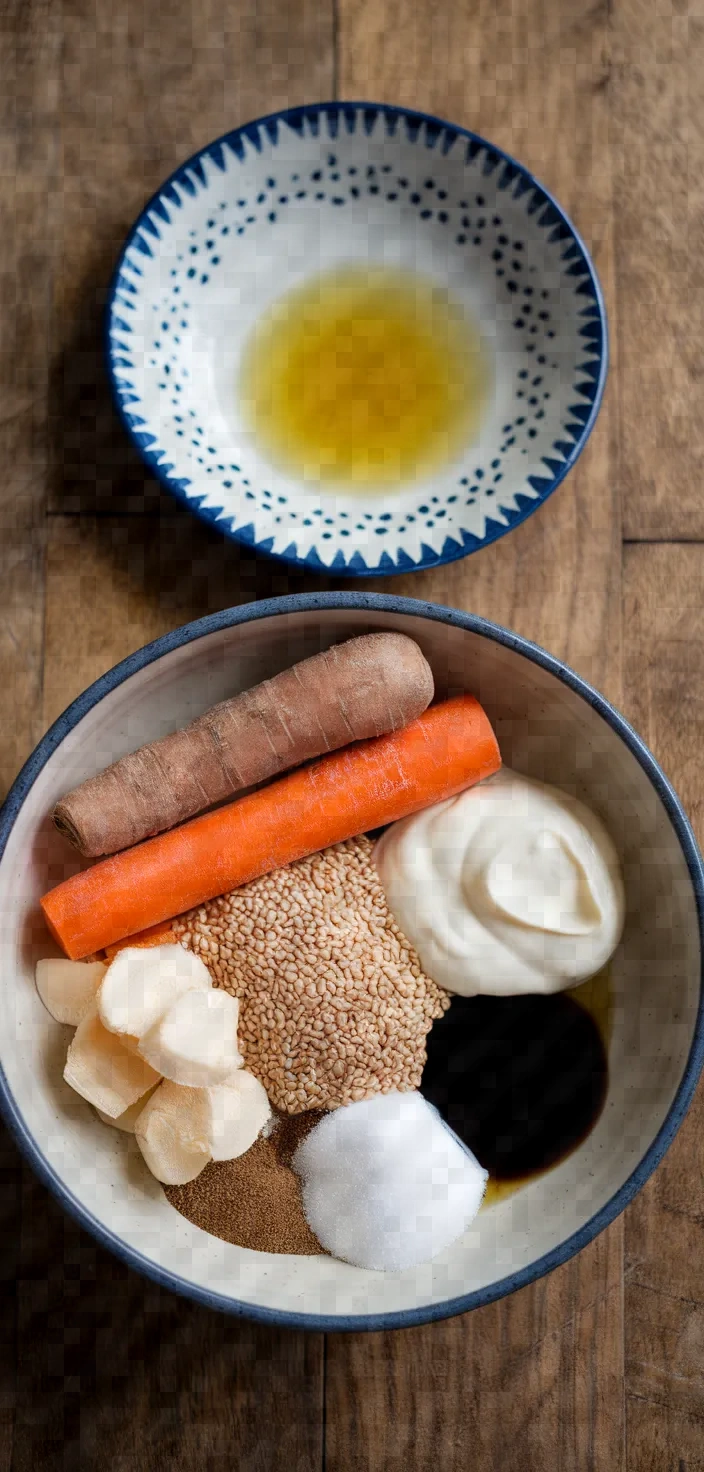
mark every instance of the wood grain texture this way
{"type": "Point", "coordinates": [658, 152]}
{"type": "Point", "coordinates": [660, 1440]}
{"type": "Point", "coordinates": [113, 1370]}
{"type": "Point", "coordinates": [29, 51]}
{"type": "Point", "coordinates": [496, 1388]}
{"type": "Point", "coordinates": [531, 77]}
{"type": "Point", "coordinates": [97, 104]}
{"type": "Point", "coordinates": [104, 1357]}
{"type": "Point", "coordinates": [664, 691]}
{"type": "Point", "coordinates": [145, 576]}
{"type": "Point", "coordinates": [541, 1374]}
{"type": "Point", "coordinates": [142, 88]}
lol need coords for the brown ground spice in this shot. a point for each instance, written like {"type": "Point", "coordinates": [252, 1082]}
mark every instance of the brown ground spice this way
{"type": "Point", "coordinates": [334, 1003]}
{"type": "Point", "coordinates": [254, 1201]}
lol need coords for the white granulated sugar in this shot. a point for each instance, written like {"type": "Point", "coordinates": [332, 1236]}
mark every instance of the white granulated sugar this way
{"type": "Point", "coordinates": [386, 1184]}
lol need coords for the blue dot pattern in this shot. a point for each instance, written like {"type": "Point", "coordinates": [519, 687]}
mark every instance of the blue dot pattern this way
{"type": "Point", "coordinates": [372, 163]}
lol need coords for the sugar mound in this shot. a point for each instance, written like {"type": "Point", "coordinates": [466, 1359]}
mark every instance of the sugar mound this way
{"type": "Point", "coordinates": [386, 1184]}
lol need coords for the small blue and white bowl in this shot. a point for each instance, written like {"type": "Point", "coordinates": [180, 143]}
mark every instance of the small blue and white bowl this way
{"type": "Point", "coordinates": [275, 203]}
{"type": "Point", "coordinates": [552, 726]}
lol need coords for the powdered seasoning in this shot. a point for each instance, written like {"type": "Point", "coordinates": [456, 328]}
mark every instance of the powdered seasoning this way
{"type": "Point", "coordinates": [255, 1200]}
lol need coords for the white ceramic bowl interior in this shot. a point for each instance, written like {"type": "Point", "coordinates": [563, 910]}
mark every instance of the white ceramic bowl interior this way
{"type": "Point", "coordinates": [274, 204]}
{"type": "Point", "coordinates": [548, 728]}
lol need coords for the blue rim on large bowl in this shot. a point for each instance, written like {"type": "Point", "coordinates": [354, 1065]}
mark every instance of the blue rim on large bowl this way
{"type": "Point", "coordinates": [377, 603]}
{"type": "Point", "coordinates": [563, 455]}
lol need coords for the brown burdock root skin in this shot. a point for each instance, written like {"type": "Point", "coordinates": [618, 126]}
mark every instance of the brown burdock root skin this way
{"type": "Point", "coordinates": [365, 687]}
{"type": "Point", "coordinates": [334, 1004]}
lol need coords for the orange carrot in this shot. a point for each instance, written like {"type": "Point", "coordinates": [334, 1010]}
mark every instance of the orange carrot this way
{"type": "Point", "coordinates": [450, 747]}
{"type": "Point", "coordinates": [156, 935]}
{"type": "Point", "coordinates": [365, 687]}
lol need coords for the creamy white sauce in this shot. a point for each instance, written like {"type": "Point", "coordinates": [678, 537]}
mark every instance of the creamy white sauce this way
{"type": "Point", "coordinates": [512, 886]}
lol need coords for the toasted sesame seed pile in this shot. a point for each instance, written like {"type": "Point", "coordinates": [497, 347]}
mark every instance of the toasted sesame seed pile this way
{"type": "Point", "coordinates": [334, 1004]}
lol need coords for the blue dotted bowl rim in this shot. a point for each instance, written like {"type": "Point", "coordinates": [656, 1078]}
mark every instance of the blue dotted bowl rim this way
{"type": "Point", "coordinates": [370, 603]}
{"type": "Point", "coordinates": [386, 567]}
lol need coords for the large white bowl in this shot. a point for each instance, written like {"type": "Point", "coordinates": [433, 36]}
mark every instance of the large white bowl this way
{"type": "Point", "coordinates": [551, 725]}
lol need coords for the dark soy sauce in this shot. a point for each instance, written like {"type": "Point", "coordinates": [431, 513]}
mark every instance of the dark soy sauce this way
{"type": "Point", "coordinates": [521, 1080]}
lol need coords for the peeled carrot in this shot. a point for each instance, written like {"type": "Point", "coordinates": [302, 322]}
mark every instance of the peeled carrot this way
{"type": "Point", "coordinates": [450, 747]}
{"type": "Point", "coordinates": [156, 935]}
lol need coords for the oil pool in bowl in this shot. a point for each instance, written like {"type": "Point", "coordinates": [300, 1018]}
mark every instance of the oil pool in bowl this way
{"type": "Point", "coordinates": [364, 378]}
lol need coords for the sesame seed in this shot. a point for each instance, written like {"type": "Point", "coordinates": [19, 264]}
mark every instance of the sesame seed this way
{"type": "Point", "coordinates": [334, 1004]}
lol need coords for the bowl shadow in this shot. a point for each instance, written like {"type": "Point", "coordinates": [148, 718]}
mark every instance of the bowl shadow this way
{"type": "Point", "coordinates": [97, 475]}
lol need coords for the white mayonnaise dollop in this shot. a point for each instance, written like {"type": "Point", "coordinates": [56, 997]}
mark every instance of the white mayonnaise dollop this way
{"type": "Point", "coordinates": [510, 887]}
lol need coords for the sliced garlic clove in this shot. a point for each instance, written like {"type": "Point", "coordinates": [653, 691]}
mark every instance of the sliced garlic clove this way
{"type": "Point", "coordinates": [172, 1133]}
{"type": "Point", "coordinates": [181, 1129]}
{"type": "Point", "coordinates": [142, 982]}
{"type": "Point", "coordinates": [102, 1070]}
{"type": "Point", "coordinates": [195, 1042]}
{"type": "Point", "coordinates": [128, 1119]}
{"type": "Point", "coordinates": [237, 1113]}
{"type": "Point", "coordinates": [68, 988]}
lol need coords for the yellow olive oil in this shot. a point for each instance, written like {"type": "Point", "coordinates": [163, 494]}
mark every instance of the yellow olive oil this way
{"type": "Point", "coordinates": [596, 997]}
{"type": "Point", "coordinates": [365, 378]}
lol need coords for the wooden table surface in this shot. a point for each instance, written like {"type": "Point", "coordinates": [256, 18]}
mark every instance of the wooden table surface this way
{"type": "Point", "coordinates": [600, 1365]}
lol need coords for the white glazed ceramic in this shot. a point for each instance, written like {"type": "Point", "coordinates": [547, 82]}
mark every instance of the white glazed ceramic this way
{"type": "Point", "coordinates": [273, 204]}
{"type": "Point", "coordinates": [551, 725]}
